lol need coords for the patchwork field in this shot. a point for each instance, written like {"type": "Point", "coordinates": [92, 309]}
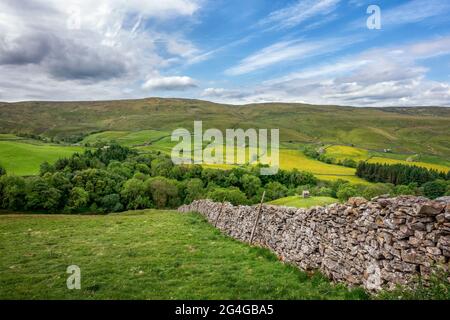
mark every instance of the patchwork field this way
{"type": "Point", "coordinates": [299, 202]}
{"type": "Point", "coordinates": [345, 152]}
{"type": "Point", "coordinates": [404, 130]}
{"type": "Point", "coordinates": [144, 255]}
{"type": "Point", "coordinates": [147, 125]}
{"type": "Point", "coordinates": [23, 156]}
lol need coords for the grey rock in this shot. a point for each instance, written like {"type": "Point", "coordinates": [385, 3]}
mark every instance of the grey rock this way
{"type": "Point", "coordinates": [378, 244]}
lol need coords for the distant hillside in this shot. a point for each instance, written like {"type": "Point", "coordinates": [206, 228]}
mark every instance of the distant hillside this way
{"type": "Point", "coordinates": [414, 130]}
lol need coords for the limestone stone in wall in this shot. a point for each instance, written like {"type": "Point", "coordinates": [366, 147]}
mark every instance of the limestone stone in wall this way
{"type": "Point", "coordinates": [376, 244]}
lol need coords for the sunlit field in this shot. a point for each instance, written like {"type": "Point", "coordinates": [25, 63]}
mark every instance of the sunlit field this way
{"type": "Point", "coordinates": [24, 157]}
{"type": "Point", "coordinates": [299, 202]}
{"type": "Point", "coordinates": [145, 255]}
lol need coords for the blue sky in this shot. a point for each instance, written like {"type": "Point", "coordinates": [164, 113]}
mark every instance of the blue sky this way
{"type": "Point", "coordinates": [233, 51]}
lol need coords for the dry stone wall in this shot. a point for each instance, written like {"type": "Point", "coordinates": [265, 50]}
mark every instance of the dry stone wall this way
{"type": "Point", "coordinates": [377, 244]}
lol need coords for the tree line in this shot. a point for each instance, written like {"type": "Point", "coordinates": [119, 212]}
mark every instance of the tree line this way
{"type": "Point", "coordinates": [398, 173]}
{"type": "Point", "coordinates": [430, 182]}
{"type": "Point", "coordinates": [115, 178]}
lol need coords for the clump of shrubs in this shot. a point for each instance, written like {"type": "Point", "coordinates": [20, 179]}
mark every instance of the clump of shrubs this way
{"type": "Point", "coordinates": [2, 171]}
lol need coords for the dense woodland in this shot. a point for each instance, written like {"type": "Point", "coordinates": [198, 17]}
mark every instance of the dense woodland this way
{"type": "Point", "coordinates": [116, 178]}
{"type": "Point", "coordinates": [433, 183]}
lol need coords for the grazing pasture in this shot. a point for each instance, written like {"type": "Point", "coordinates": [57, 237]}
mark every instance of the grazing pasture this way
{"type": "Point", "coordinates": [23, 158]}
{"type": "Point", "coordinates": [145, 255]}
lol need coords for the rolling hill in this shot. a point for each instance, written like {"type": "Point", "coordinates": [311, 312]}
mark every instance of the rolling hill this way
{"type": "Point", "coordinates": [146, 125]}
{"type": "Point", "coordinates": [424, 130]}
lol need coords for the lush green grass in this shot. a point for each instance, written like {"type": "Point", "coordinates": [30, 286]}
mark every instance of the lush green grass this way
{"type": "Point", "coordinates": [24, 158]}
{"type": "Point", "coordinates": [299, 202]}
{"type": "Point", "coordinates": [8, 136]}
{"type": "Point", "coordinates": [144, 255]}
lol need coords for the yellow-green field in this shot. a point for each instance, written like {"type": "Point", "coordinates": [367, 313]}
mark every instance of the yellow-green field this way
{"type": "Point", "coordinates": [340, 153]}
{"type": "Point", "coordinates": [290, 159]}
{"type": "Point", "coordinates": [299, 202]}
{"type": "Point", "coordinates": [345, 152]}
{"type": "Point", "coordinates": [419, 164]}
{"type": "Point", "coordinates": [23, 156]}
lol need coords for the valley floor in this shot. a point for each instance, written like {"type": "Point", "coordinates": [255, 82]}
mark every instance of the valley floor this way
{"type": "Point", "coordinates": [144, 255]}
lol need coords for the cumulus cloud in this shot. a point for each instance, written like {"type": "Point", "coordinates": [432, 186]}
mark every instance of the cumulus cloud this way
{"type": "Point", "coordinates": [73, 61]}
{"type": "Point", "coordinates": [169, 83]}
{"type": "Point", "coordinates": [24, 50]}
{"type": "Point", "coordinates": [87, 45]}
{"type": "Point", "coordinates": [222, 93]}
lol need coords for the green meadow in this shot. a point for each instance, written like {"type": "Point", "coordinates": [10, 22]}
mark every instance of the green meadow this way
{"type": "Point", "coordinates": [145, 255]}
{"type": "Point", "coordinates": [127, 138]}
{"type": "Point", "coordinates": [23, 158]}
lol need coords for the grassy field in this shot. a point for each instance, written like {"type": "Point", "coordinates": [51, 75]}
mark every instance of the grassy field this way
{"type": "Point", "coordinates": [290, 159]}
{"type": "Point", "coordinates": [295, 159]}
{"type": "Point", "coordinates": [144, 255]}
{"type": "Point", "coordinates": [21, 157]}
{"type": "Point", "coordinates": [127, 138]}
{"type": "Point", "coordinates": [299, 202]}
{"type": "Point", "coordinates": [340, 153]}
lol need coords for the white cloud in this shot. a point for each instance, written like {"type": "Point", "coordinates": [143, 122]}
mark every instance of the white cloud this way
{"type": "Point", "coordinates": [222, 93]}
{"type": "Point", "coordinates": [390, 76]}
{"type": "Point", "coordinates": [288, 51]}
{"type": "Point", "coordinates": [297, 13]}
{"type": "Point", "coordinates": [415, 11]}
{"type": "Point", "coordinates": [359, 3]}
{"type": "Point", "coordinates": [430, 48]}
{"type": "Point", "coordinates": [113, 48]}
{"type": "Point", "coordinates": [169, 83]}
